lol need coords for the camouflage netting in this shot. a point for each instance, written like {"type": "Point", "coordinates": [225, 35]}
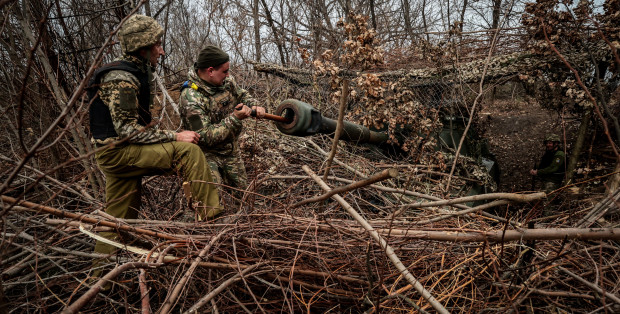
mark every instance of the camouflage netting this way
{"type": "Point", "coordinates": [500, 67]}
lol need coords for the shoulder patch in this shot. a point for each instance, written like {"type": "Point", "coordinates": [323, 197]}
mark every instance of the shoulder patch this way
{"type": "Point", "coordinates": [127, 98]}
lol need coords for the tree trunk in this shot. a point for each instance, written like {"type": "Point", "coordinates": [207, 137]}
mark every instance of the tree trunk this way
{"type": "Point", "coordinates": [257, 43]}
{"type": "Point", "coordinates": [497, 4]}
{"type": "Point", "coordinates": [315, 26]}
{"type": "Point", "coordinates": [424, 20]}
{"type": "Point", "coordinates": [407, 18]}
{"type": "Point", "coordinates": [373, 18]}
{"type": "Point", "coordinates": [79, 137]}
{"type": "Point", "coordinates": [578, 147]}
{"type": "Point", "coordinates": [462, 18]}
{"type": "Point", "coordinates": [275, 32]}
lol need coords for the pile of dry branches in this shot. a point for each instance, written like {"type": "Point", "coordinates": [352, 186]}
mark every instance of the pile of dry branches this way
{"type": "Point", "coordinates": [398, 244]}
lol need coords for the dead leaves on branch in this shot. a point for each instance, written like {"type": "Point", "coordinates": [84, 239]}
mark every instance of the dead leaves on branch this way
{"type": "Point", "coordinates": [388, 106]}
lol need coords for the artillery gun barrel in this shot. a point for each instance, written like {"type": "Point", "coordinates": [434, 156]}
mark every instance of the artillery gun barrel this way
{"type": "Point", "coordinates": [301, 119]}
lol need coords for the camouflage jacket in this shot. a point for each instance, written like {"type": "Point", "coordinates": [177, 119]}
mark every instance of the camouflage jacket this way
{"type": "Point", "coordinates": [119, 92]}
{"type": "Point", "coordinates": [207, 110]}
{"type": "Point", "coordinates": [552, 166]}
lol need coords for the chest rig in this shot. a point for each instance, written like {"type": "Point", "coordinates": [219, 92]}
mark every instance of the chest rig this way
{"type": "Point", "coordinates": [101, 125]}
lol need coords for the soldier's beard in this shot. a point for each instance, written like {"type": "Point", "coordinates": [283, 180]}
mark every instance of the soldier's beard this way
{"type": "Point", "coordinates": [152, 61]}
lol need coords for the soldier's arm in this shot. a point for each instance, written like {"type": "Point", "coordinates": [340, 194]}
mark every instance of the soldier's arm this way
{"type": "Point", "coordinates": [119, 92]}
{"type": "Point", "coordinates": [242, 95]}
{"type": "Point", "coordinates": [196, 118]}
{"type": "Point", "coordinates": [555, 166]}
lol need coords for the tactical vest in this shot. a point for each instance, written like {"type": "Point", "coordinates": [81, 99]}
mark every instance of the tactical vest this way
{"type": "Point", "coordinates": [101, 125]}
{"type": "Point", "coordinates": [220, 105]}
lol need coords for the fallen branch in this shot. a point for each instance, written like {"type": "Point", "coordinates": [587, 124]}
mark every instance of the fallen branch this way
{"type": "Point", "coordinates": [81, 217]}
{"type": "Point", "coordinates": [79, 303]}
{"type": "Point", "coordinates": [590, 285]}
{"type": "Point", "coordinates": [64, 186]}
{"type": "Point", "coordinates": [144, 293]}
{"type": "Point", "coordinates": [462, 212]}
{"type": "Point", "coordinates": [508, 235]}
{"type": "Point", "coordinates": [523, 198]}
{"type": "Point", "coordinates": [388, 249]}
{"type": "Point", "coordinates": [404, 192]}
{"type": "Point", "coordinates": [383, 175]}
{"type": "Point", "coordinates": [362, 175]}
{"type": "Point", "coordinates": [599, 210]}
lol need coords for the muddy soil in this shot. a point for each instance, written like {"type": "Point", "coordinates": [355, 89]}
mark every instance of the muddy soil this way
{"type": "Point", "coordinates": [515, 131]}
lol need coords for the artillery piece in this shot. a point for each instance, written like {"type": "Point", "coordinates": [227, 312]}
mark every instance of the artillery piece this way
{"type": "Point", "coordinates": [301, 119]}
{"type": "Point", "coordinates": [297, 118]}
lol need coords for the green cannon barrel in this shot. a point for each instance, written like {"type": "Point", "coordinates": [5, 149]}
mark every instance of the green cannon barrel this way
{"type": "Point", "coordinates": [305, 120]}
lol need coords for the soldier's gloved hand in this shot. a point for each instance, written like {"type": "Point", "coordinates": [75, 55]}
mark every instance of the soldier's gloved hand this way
{"type": "Point", "coordinates": [260, 111]}
{"type": "Point", "coordinates": [242, 111]}
{"type": "Point", "coordinates": [188, 137]}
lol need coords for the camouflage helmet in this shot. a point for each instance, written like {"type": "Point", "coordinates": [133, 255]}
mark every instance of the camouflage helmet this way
{"type": "Point", "coordinates": [552, 138]}
{"type": "Point", "coordinates": [139, 31]}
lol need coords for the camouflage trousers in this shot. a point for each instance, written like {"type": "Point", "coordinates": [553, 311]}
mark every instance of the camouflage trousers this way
{"type": "Point", "coordinates": [550, 186]}
{"type": "Point", "coordinates": [551, 207]}
{"type": "Point", "coordinates": [125, 166]}
{"type": "Point", "coordinates": [228, 170]}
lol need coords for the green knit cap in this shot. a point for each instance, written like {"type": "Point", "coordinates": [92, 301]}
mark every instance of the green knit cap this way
{"type": "Point", "coordinates": [211, 56]}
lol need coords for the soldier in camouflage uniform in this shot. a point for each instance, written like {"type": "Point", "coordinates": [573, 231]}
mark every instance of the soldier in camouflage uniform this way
{"type": "Point", "coordinates": [550, 170]}
{"type": "Point", "coordinates": [129, 145]}
{"type": "Point", "coordinates": [213, 105]}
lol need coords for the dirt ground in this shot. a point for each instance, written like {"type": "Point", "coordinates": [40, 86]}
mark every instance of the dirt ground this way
{"type": "Point", "coordinates": [515, 131]}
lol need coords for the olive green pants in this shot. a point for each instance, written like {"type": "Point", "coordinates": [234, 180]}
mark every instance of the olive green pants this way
{"type": "Point", "coordinates": [125, 166]}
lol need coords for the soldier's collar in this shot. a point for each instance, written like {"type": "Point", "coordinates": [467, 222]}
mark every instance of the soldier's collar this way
{"type": "Point", "coordinates": [142, 63]}
{"type": "Point", "coordinates": [212, 88]}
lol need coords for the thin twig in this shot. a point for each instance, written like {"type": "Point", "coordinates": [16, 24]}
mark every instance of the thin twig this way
{"type": "Point", "coordinates": [339, 125]}
{"type": "Point", "coordinates": [176, 291]}
{"type": "Point", "coordinates": [213, 293]}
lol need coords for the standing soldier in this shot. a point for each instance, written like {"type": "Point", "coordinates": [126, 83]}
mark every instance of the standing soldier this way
{"type": "Point", "coordinates": [213, 105]}
{"type": "Point", "coordinates": [129, 145]}
{"type": "Point", "coordinates": [550, 170]}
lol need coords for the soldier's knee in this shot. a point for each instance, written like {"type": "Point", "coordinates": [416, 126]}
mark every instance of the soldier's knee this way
{"type": "Point", "coordinates": [189, 150]}
{"type": "Point", "coordinates": [184, 146]}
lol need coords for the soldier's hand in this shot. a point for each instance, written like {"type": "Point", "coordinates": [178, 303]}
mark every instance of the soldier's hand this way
{"type": "Point", "coordinates": [260, 111]}
{"type": "Point", "coordinates": [533, 172]}
{"type": "Point", "coordinates": [242, 111]}
{"type": "Point", "coordinates": [188, 137]}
